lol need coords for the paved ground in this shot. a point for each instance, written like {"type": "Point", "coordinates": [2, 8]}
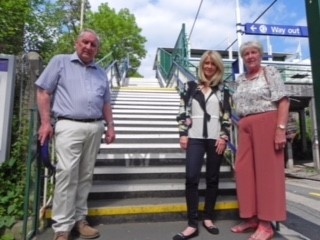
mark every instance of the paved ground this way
{"type": "Point", "coordinates": [303, 170]}
{"type": "Point", "coordinates": [166, 230]}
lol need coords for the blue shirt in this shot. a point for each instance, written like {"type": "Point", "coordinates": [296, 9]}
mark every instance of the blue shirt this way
{"type": "Point", "coordinates": [78, 91]}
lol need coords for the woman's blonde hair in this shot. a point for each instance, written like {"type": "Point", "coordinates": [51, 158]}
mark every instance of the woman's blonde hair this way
{"type": "Point", "coordinates": [217, 60]}
{"type": "Point", "coordinates": [251, 44]}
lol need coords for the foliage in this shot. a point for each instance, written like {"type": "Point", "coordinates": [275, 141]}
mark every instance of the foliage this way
{"type": "Point", "coordinates": [297, 145]}
{"type": "Point", "coordinates": [12, 174]}
{"type": "Point", "coordinates": [13, 170]}
{"type": "Point", "coordinates": [119, 33]}
{"type": "Point", "coordinates": [13, 14]}
{"type": "Point", "coordinates": [52, 27]}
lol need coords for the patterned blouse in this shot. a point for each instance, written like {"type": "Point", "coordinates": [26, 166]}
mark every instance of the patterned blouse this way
{"type": "Point", "coordinates": [202, 110]}
{"type": "Point", "coordinates": [260, 94]}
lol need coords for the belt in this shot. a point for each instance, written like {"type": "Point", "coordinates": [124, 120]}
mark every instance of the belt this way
{"type": "Point", "coordinates": [80, 120]}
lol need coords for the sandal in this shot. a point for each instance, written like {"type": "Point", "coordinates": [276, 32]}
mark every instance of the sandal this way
{"type": "Point", "coordinates": [245, 226]}
{"type": "Point", "coordinates": [262, 233]}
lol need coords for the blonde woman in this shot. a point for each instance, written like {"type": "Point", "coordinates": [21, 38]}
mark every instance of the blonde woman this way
{"type": "Point", "coordinates": [203, 126]}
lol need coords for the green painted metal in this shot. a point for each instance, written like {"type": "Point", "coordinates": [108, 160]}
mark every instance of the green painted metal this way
{"type": "Point", "coordinates": [33, 183]}
{"type": "Point", "coordinates": [180, 53]}
{"type": "Point", "coordinates": [106, 60]}
{"type": "Point", "coordinates": [165, 62]}
{"type": "Point", "coordinates": [313, 19]}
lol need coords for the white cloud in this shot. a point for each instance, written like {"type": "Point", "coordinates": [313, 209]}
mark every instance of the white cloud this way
{"type": "Point", "coordinates": [161, 22]}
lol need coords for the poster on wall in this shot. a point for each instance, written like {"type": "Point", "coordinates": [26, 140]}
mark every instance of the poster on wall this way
{"type": "Point", "coordinates": [7, 63]}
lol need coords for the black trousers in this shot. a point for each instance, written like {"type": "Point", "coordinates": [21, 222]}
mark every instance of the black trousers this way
{"type": "Point", "coordinates": [194, 160]}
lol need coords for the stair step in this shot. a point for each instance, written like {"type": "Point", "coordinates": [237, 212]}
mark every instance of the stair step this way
{"type": "Point", "coordinates": [143, 116]}
{"type": "Point", "coordinates": [143, 171]}
{"type": "Point", "coordinates": [145, 89]}
{"type": "Point", "coordinates": [144, 103]}
{"type": "Point", "coordinates": [159, 155]}
{"type": "Point", "coordinates": [147, 129]}
{"type": "Point", "coordinates": [145, 111]}
{"type": "Point", "coordinates": [146, 96]}
{"type": "Point", "coordinates": [148, 136]}
{"type": "Point", "coordinates": [167, 98]}
{"type": "Point", "coordinates": [147, 122]}
{"type": "Point", "coordinates": [149, 185]}
{"type": "Point", "coordinates": [147, 169]}
{"type": "Point", "coordinates": [155, 146]}
{"type": "Point", "coordinates": [130, 209]}
{"type": "Point", "coordinates": [152, 107]}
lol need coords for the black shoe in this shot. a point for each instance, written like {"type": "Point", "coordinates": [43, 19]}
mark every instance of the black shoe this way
{"type": "Point", "coordinates": [180, 236]}
{"type": "Point", "coordinates": [211, 229]}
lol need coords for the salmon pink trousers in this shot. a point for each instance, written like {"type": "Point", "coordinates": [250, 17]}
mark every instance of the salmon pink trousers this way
{"type": "Point", "coordinates": [259, 169]}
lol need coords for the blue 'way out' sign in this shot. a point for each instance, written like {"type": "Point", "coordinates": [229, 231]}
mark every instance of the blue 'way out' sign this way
{"type": "Point", "coordinates": [279, 30]}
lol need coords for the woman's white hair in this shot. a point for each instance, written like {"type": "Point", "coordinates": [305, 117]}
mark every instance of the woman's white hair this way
{"type": "Point", "coordinates": [251, 44]}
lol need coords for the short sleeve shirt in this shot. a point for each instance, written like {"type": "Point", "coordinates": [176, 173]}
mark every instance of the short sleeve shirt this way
{"type": "Point", "coordinates": [78, 90]}
{"type": "Point", "coordinates": [260, 94]}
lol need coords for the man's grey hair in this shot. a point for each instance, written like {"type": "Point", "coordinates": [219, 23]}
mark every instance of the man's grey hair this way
{"type": "Point", "coordinates": [90, 31]}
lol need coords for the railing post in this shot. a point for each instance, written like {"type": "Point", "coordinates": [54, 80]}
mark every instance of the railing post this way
{"type": "Point", "coordinates": [33, 186]}
{"type": "Point", "coordinates": [313, 19]}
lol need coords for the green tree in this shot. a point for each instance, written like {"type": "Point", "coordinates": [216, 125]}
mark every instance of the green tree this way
{"type": "Point", "coordinates": [54, 25]}
{"type": "Point", "coordinates": [13, 16]}
{"type": "Point", "coordinates": [119, 33]}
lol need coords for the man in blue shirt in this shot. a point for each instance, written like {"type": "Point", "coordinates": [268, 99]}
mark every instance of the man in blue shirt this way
{"type": "Point", "coordinates": [75, 92]}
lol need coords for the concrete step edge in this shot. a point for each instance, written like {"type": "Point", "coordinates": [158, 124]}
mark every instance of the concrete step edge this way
{"type": "Point", "coordinates": [150, 209]}
{"type": "Point", "coordinates": [132, 185]}
{"type": "Point", "coordinates": [146, 170]}
{"type": "Point", "coordinates": [160, 156]}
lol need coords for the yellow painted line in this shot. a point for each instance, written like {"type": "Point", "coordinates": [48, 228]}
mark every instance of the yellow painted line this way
{"type": "Point", "coordinates": [145, 209]}
{"type": "Point", "coordinates": [314, 194]}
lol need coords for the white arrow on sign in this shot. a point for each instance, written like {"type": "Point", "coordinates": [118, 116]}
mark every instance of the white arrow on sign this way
{"type": "Point", "coordinates": [253, 28]}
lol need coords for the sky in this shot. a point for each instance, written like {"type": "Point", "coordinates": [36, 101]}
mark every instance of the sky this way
{"type": "Point", "coordinates": [215, 28]}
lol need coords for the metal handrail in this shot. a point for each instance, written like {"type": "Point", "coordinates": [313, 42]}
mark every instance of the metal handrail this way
{"type": "Point", "coordinates": [32, 187]}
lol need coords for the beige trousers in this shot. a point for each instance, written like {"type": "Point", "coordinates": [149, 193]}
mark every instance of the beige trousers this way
{"type": "Point", "coordinates": [77, 145]}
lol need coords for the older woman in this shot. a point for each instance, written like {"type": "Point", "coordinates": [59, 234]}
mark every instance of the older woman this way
{"type": "Point", "coordinates": [263, 105]}
{"type": "Point", "coordinates": [203, 125]}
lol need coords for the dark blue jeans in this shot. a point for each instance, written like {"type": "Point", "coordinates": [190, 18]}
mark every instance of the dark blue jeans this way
{"type": "Point", "coordinates": [194, 160]}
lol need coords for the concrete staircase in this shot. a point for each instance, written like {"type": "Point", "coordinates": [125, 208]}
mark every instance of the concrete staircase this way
{"type": "Point", "coordinates": [141, 175]}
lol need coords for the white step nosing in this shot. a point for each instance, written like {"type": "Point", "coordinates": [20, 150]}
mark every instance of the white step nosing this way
{"type": "Point", "coordinates": [146, 103]}
{"type": "Point", "coordinates": [143, 116]}
{"type": "Point", "coordinates": [150, 98]}
{"type": "Point", "coordinates": [147, 129]}
{"type": "Point", "coordinates": [144, 90]}
{"type": "Point", "coordinates": [136, 95]}
{"type": "Point", "coordinates": [147, 122]}
{"type": "Point", "coordinates": [150, 111]}
{"type": "Point", "coordinates": [146, 136]}
{"type": "Point", "coordinates": [142, 187]}
{"type": "Point", "coordinates": [143, 107]}
{"type": "Point", "coordinates": [160, 156]}
{"type": "Point", "coordinates": [140, 146]}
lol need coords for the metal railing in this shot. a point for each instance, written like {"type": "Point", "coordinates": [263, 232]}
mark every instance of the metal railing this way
{"type": "Point", "coordinates": [116, 70]}
{"type": "Point", "coordinates": [33, 182]}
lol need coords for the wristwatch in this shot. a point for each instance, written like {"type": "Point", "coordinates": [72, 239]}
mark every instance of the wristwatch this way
{"type": "Point", "coordinates": [281, 126]}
